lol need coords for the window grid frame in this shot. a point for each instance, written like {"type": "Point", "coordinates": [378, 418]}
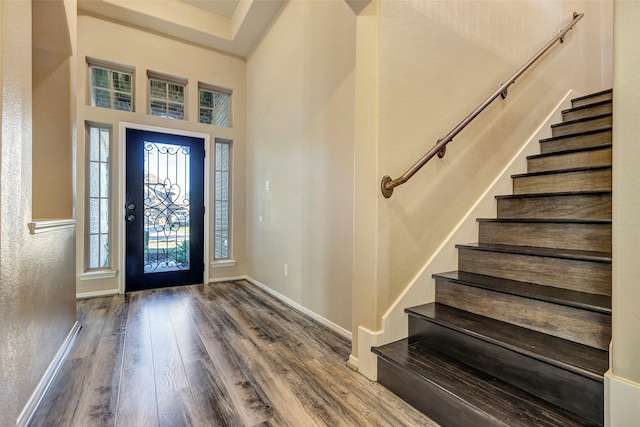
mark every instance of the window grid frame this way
{"type": "Point", "coordinates": [107, 198]}
{"type": "Point", "coordinates": [215, 90]}
{"type": "Point", "coordinates": [218, 247]}
{"type": "Point", "coordinates": [110, 68]}
{"type": "Point", "coordinates": [168, 81]}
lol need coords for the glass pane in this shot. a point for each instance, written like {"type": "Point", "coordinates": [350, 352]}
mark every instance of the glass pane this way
{"type": "Point", "coordinates": [219, 156]}
{"type": "Point", "coordinates": [176, 92]}
{"type": "Point", "coordinates": [157, 89]}
{"type": "Point", "coordinates": [101, 98]}
{"type": "Point", "coordinates": [104, 215]}
{"type": "Point", "coordinates": [94, 179]}
{"type": "Point", "coordinates": [104, 180]}
{"type": "Point", "coordinates": [94, 215]}
{"type": "Point", "coordinates": [176, 111]}
{"type": "Point", "coordinates": [104, 250]}
{"type": "Point", "coordinates": [222, 101]}
{"type": "Point", "coordinates": [94, 151]}
{"type": "Point", "coordinates": [94, 251]}
{"type": "Point", "coordinates": [122, 101]}
{"type": "Point", "coordinates": [217, 222]}
{"type": "Point", "coordinates": [206, 98]}
{"type": "Point", "coordinates": [104, 144]}
{"type": "Point", "coordinates": [158, 108]}
{"type": "Point", "coordinates": [224, 157]}
{"type": "Point", "coordinates": [166, 207]}
{"type": "Point", "coordinates": [122, 82]}
{"type": "Point", "coordinates": [221, 118]}
{"type": "Point", "coordinates": [218, 190]}
{"type": "Point", "coordinates": [100, 77]}
{"type": "Point", "coordinates": [206, 116]}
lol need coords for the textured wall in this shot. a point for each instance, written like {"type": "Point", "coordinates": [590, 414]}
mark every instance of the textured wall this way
{"type": "Point", "coordinates": [37, 287]}
{"type": "Point", "coordinates": [436, 61]}
{"type": "Point", "coordinates": [300, 86]}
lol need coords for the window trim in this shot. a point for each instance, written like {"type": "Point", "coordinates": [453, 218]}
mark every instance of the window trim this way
{"type": "Point", "coordinates": [168, 78]}
{"type": "Point", "coordinates": [228, 260]}
{"type": "Point", "coordinates": [87, 195]}
{"type": "Point", "coordinates": [111, 66]}
{"type": "Point", "coordinates": [216, 89]}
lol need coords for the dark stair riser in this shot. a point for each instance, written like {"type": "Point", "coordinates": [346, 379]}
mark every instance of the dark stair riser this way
{"type": "Point", "coordinates": [562, 235]}
{"type": "Point", "coordinates": [576, 274]}
{"type": "Point", "coordinates": [597, 179]}
{"type": "Point", "coordinates": [573, 142]}
{"type": "Point", "coordinates": [590, 110]}
{"type": "Point", "coordinates": [430, 399]}
{"type": "Point", "coordinates": [570, 160]}
{"type": "Point", "coordinates": [592, 98]}
{"type": "Point", "coordinates": [573, 392]}
{"type": "Point", "coordinates": [571, 323]}
{"type": "Point", "coordinates": [454, 394]}
{"type": "Point", "coordinates": [582, 125]}
{"type": "Point", "coordinates": [564, 206]}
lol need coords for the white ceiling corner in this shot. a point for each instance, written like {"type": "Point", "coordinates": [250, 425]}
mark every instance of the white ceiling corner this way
{"type": "Point", "coordinates": [233, 26]}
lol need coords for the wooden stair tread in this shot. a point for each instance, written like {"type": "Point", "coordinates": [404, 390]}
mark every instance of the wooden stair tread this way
{"type": "Point", "coordinates": [571, 151]}
{"type": "Point", "coordinates": [572, 135]}
{"type": "Point", "coordinates": [592, 95]}
{"type": "Point", "coordinates": [587, 106]}
{"type": "Point", "coordinates": [587, 361]}
{"type": "Point", "coordinates": [567, 297]}
{"type": "Point", "coordinates": [582, 120]}
{"type": "Point", "coordinates": [546, 220]}
{"type": "Point", "coordinates": [583, 169]}
{"type": "Point", "coordinates": [564, 193]}
{"type": "Point", "coordinates": [500, 401]}
{"type": "Point", "coordinates": [596, 256]}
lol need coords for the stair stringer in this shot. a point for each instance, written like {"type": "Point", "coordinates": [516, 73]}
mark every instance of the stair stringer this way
{"type": "Point", "coordinates": [421, 289]}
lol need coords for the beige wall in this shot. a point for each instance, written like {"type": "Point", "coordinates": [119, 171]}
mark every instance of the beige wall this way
{"type": "Point", "coordinates": [300, 84]}
{"type": "Point", "coordinates": [37, 286]}
{"type": "Point", "coordinates": [436, 61]}
{"type": "Point", "coordinates": [146, 51]}
{"type": "Point", "coordinates": [624, 375]}
{"type": "Point", "coordinates": [52, 151]}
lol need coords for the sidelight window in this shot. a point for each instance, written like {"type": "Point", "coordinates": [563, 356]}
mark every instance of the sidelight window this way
{"type": "Point", "coordinates": [98, 147]}
{"type": "Point", "coordinates": [222, 200]}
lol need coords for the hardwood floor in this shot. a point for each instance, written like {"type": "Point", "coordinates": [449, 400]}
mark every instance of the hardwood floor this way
{"type": "Point", "coordinates": [224, 354]}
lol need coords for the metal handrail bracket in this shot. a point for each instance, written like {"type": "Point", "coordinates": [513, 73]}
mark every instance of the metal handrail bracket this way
{"type": "Point", "coordinates": [388, 184]}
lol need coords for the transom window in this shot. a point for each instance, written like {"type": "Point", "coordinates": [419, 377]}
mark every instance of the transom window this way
{"type": "Point", "coordinates": [98, 143]}
{"type": "Point", "coordinates": [111, 87]}
{"type": "Point", "coordinates": [215, 106]}
{"type": "Point", "coordinates": [167, 97]}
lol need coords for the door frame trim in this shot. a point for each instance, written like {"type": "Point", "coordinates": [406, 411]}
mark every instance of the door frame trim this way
{"type": "Point", "coordinates": [122, 171]}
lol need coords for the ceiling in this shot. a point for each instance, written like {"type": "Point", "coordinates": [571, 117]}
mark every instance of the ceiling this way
{"type": "Point", "coordinates": [229, 25]}
{"type": "Point", "coordinates": [221, 7]}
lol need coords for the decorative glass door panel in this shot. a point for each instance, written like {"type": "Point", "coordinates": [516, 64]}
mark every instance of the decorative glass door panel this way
{"type": "Point", "coordinates": [164, 210]}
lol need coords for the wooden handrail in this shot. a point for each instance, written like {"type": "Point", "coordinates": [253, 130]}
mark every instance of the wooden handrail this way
{"type": "Point", "coordinates": [388, 184]}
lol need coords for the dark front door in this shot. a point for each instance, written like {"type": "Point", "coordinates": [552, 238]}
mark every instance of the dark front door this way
{"type": "Point", "coordinates": [164, 212]}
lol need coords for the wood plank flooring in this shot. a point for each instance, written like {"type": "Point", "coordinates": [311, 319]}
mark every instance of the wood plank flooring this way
{"type": "Point", "coordinates": [224, 354]}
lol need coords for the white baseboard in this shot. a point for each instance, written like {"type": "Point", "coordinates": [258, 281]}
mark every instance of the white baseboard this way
{"type": "Point", "coordinates": [353, 362]}
{"type": "Point", "coordinates": [367, 361]}
{"type": "Point", "coordinates": [621, 401]}
{"type": "Point", "coordinates": [226, 279]}
{"type": "Point", "coordinates": [105, 293]}
{"type": "Point", "coordinates": [326, 322]}
{"type": "Point", "coordinates": [421, 289]}
{"type": "Point", "coordinates": [49, 375]}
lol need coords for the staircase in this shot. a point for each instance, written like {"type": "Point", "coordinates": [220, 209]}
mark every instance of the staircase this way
{"type": "Point", "coordinates": [519, 335]}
